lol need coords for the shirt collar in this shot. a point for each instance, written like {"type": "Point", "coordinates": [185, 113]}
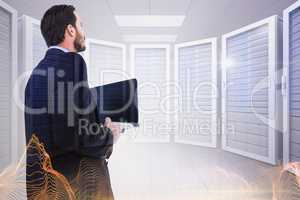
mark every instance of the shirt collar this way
{"type": "Point", "coordinates": [58, 47]}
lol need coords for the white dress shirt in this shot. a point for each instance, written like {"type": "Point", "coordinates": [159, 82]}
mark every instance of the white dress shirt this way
{"type": "Point", "coordinates": [58, 47]}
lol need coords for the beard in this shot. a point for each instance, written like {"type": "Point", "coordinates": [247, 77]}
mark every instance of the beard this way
{"type": "Point", "coordinates": [79, 43]}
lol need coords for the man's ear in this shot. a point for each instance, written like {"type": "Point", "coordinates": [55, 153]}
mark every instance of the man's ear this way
{"type": "Point", "coordinates": [71, 30]}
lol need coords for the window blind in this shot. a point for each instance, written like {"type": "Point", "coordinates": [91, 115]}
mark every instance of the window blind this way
{"type": "Point", "coordinates": [39, 46]}
{"type": "Point", "coordinates": [105, 62]}
{"type": "Point", "coordinates": [32, 49]}
{"type": "Point", "coordinates": [150, 67]}
{"type": "Point", "coordinates": [196, 78]}
{"type": "Point", "coordinates": [7, 67]}
{"type": "Point", "coordinates": [292, 83]}
{"type": "Point", "coordinates": [250, 104]}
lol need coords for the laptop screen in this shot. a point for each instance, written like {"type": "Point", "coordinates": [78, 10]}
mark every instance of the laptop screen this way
{"type": "Point", "coordinates": [118, 101]}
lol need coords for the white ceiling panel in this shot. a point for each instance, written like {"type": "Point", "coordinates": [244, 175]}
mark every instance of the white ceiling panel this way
{"type": "Point", "coordinates": [151, 31]}
{"type": "Point", "coordinates": [129, 7]}
{"type": "Point", "coordinates": [155, 7]}
{"type": "Point", "coordinates": [149, 20]}
{"type": "Point", "coordinates": [174, 7]}
{"type": "Point", "coordinates": [150, 38]}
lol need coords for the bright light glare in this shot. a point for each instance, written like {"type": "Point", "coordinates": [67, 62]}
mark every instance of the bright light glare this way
{"type": "Point", "coordinates": [149, 38]}
{"type": "Point", "coordinates": [149, 20]}
{"type": "Point", "coordinates": [228, 63]}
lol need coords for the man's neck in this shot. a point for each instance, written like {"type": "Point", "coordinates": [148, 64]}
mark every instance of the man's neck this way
{"type": "Point", "coordinates": [70, 48]}
{"type": "Point", "coordinates": [61, 48]}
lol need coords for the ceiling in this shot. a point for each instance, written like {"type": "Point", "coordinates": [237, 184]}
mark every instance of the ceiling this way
{"type": "Point", "coordinates": [155, 7]}
{"type": "Point", "coordinates": [204, 18]}
{"type": "Point", "coordinates": [149, 7]}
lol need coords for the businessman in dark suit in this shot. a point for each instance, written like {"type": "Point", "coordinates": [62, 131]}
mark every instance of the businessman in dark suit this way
{"type": "Point", "coordinates": [60, 109]}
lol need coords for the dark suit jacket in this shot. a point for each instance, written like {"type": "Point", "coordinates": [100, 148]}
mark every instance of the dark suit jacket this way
{"type": "Point", "coordinates": [53, 86]}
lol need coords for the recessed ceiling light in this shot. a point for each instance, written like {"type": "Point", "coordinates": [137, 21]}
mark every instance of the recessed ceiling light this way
{"type": "Point", "coordinates": [150, 38]}
{"type": "Point", "coordinates": [149, 20]}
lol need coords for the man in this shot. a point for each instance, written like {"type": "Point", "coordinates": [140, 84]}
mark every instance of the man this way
{"type": "Point", "coordinates": [58, 102]}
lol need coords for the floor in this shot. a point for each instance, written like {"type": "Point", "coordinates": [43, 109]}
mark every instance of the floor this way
{"type": "Point", "coordinates": [178, 171]}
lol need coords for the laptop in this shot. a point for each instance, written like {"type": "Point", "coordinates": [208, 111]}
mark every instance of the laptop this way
{"type": "Point", "coordinates": [118, 101]}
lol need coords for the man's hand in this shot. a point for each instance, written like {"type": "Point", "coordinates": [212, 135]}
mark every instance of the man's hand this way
{"type": "Point", "coordinates": [114, 127]}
